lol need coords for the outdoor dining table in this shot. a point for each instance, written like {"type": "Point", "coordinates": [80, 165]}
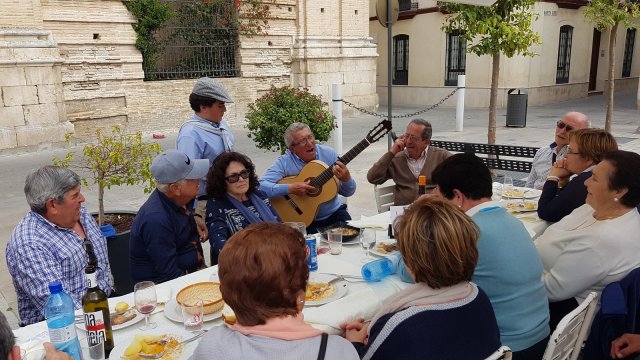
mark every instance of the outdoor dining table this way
{"type": "Point", "coordinates": [361, 300]}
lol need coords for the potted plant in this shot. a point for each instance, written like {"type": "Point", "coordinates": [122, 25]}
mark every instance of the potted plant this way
{"type": "Point", "coordinates": [270, 115]}
{"type": "Point", "coordinates": [114, 160]}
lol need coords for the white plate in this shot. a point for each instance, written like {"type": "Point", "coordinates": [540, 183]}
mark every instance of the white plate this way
{"type": "Point", "coordinates": [527, 194]}
{"type": "Point", "coordinates": [374, 251]}
{"type": "Point", "coordinates": [139, 317]}
{"type": "Point", "coordinates": [519, 207]}
{"type": "Point", "coordinates": [124, 341]}
{"type": "Point", "coordinates": [342, 287]}
{"type": "Point", "coordinates": [173, 312]}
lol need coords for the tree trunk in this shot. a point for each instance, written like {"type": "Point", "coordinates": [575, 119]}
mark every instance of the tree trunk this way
{"type": "Point", "coordinates": [100, 204]}
{"type": "Point", "coordinates": [493, 99]}
{"type": "Point", "coordinates": [610, 77]}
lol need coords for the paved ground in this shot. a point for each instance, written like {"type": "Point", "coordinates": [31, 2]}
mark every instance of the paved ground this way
{"type": "Point", "coordinates": [538, 132]}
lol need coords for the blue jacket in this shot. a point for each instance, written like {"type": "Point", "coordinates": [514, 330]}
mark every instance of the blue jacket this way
{"type": "Point", "coordinates": [164, 241]}
{"type": "Point", "coordinates": [224, 219]}
{"type": "Point", "coordinates": [290, 164]}
{"type": "Point", "coordinates": [555, 203]}
{"type": "Point", "coordinates": [619, 313]}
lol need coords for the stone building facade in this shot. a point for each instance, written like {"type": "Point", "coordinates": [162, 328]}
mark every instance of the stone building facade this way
{"type": "Point", "coordinates": [84, 72]}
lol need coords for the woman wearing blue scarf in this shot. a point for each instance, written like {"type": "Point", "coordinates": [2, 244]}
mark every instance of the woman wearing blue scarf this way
{"type": "Point", "coordinates": [234, 199]}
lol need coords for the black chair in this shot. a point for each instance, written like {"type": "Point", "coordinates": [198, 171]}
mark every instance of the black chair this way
{"type": "Point", "coordinates": [118, 247]}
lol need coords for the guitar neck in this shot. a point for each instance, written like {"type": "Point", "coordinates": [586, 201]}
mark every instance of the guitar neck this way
{"type": "Point", "coordinates": [327, 174]}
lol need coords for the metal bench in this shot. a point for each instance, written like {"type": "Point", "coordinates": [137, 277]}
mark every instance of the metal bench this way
{"type": "Point", "coordinates": [497, 157]}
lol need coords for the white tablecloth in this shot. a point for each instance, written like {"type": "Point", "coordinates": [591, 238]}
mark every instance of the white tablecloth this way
{"type": "Point", "coordinates": [362, 299]}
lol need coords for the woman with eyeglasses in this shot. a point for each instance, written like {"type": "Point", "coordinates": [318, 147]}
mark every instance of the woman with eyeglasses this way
{"type": "Point", "coordinates": [598, 243]}
{"type": "Point", "coordinates": [235, 201]}
{"type": "Point", "coordinates": [564, 190]}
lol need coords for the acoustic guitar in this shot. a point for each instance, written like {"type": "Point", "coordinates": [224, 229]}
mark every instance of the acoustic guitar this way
{"type": "Point", "coordinates": [320, 176]}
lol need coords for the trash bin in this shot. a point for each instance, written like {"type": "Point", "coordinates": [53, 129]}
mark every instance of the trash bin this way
{"type": "Point", "coordinates": [517, 108]}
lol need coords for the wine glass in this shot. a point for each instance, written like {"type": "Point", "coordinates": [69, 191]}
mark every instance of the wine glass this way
{"type": "Point", "coordinates": [368, 241]}
{"type": "Point", "coordinates": [145, 297]}
{"type": "Point", "coordinates": [507, 186]}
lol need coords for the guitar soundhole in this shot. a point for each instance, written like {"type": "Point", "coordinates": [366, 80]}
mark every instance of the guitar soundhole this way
{"type": "Point", "coordinates": [316, 191]}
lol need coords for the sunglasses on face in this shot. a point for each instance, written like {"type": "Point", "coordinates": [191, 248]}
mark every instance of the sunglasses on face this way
{"type": "Point", "coordinates": [235, 177]}
{"type": "Point", "coordinates": [562, 125]}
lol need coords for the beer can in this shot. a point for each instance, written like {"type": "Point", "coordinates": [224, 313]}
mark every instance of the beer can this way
{"type": "Point", "coordinates": [312, 260]}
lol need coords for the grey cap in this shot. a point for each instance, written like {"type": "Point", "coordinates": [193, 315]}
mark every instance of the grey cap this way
{"type": "Point", "coordinates": [211, 88]}
{"type": "Point", "coordinates": [174, 165]}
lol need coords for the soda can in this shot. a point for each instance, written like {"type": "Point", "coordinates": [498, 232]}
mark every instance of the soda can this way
{"type": "Point", "coordinates": [312, 259]}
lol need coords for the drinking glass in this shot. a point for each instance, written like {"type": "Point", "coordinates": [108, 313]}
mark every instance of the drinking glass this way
{"type": "Point", "coordinates": [145, 297]}
{"type": "Point", "coordinates": [92, 352]}
{"type": "Point", "coordinates": [300, 226]}
{"type": "Point", "coordinates": [193, 316]}
{"type": "Point", "coordinates": [507, 185]}
{"type": "Point", "coordinates": [334, 238]}
{"type": "Point", "coordinates": [368, 241]}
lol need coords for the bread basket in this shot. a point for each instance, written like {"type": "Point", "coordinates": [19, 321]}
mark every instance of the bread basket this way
{"type": "Point", "coordinates": [208, 292]}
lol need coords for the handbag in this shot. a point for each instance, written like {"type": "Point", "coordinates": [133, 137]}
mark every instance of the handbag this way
{"type": "Point", "coordinates": [323, 346]}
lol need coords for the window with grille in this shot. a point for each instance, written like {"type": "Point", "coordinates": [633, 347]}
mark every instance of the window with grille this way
{"type": "Point", "coordinates": [404, 5]}
{"type": "Point", "coordinates": [564, 54]}
{"type": "Point", "coordinates": [401, 59]}
{"type": "Point", "coordinates": [199, 40]}
{"type": "Point", "coordinates": [455, 60]}
{"type": "Point", "coordinates": [628, 52]}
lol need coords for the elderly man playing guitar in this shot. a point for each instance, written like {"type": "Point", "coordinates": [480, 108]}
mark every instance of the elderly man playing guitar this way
{"type": "Point", "coordinates": [310, 194]}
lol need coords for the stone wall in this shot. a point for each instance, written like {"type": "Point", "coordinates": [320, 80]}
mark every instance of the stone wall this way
{"type": "Point", "coordinates": [31, 100]}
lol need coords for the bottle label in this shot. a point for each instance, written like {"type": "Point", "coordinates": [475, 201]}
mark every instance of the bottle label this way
{"type": "Point", "coordinates": [92, 280]}
{"type": "Point", "coordinates": [94, 323]}
{"type": "Point", "coordinates": [62, 334]}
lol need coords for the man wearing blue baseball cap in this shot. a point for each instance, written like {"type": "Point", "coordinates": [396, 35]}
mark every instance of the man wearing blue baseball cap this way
{"type": "Point", "coordinates": [206, 135]}
{"type": "Point", "coordinates": [165, 241]}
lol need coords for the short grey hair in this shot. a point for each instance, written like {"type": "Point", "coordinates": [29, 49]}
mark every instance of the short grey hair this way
{"type": "Point", "coordinates": [427, 132]}
{"type": "Point", "coordinates": [163, 188]}
{"type": "Point", "coordinates": [7, 339]}
{"type": "Point", "coordinates": [292, 129]}
{"type": "Point", "coordinates": [48, 182]}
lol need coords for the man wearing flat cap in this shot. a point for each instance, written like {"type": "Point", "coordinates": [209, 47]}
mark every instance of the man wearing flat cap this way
{"type": "Point", "coordinates": [165, 240]}
{"type": "Point", "coordinates": [206, 135]}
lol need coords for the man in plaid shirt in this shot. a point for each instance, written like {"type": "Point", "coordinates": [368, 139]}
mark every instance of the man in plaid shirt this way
{"type": "Point", "coordinates": [47, 244]}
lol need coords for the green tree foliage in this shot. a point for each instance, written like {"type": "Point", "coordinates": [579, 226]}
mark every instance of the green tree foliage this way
{"type": "Point", "coordinates": [114, 160]}
{"type": "Point", "coordinates": [270, 115]}
{"type": "Point", "coordinates": [609, 15]}
{"type": "Point", "coordinates": [152, 16]}
{"type": "Point", "coordinates": [502, 28]}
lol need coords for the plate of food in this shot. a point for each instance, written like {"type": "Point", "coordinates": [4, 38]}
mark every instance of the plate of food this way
{"type": "Point", "coordinates": [521, 193]}
{"type": "Point", "coordinates": [164, 339]}
{"type": "Point", "coordinates": [522, 206]}
{"type": "Point", "coordinates": [324, 288]}
{"type": "Point", "coordinates": [384, 248]}
{"type": "Point", "coordinates": [349, 233]}
{"type": "Point", "coordinates": [122, 316]}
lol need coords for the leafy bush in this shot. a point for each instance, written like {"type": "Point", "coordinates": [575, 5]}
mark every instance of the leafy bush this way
{"type": "Point", "coordinates": [114, 160]}
{"type": "Point", "coordinates": [269, 116]}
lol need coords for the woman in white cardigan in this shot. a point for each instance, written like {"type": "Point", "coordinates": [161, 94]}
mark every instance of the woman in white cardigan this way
{"type": "Point", "coordinates": [597, 243]}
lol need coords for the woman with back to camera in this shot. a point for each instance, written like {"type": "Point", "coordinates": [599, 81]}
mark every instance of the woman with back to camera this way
{"type": "Point", "coordinates": [597, 243]}
{"type": "Point", "coordinates": [263, 276]}
{"type": "Point", "coordinates": [443, 315]}
{"type": "Point", "coordinates": [586, 147]}
{"type": "Point", "coordinates": [235, 201]}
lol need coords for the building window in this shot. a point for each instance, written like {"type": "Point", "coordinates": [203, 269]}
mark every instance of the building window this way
{"type": "Point", "coordinates": [455, 58]}
{"type": "Point", "coordinates": [401, 59]}
{"type": "Point", "coordinates": [628, 52]}
{"type": "Point", "coordinates": [564, 54]}
{"type": "Point", "coordinates": [404, 5]}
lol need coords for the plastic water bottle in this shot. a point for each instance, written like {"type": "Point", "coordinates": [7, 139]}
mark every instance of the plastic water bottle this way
{"type": "Point", "coordinates": [59, 312]}
{"type": "Point", "coordinates": [379, 269]}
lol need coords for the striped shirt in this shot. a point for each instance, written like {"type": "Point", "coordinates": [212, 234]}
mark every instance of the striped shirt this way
{"type": "Point", "coordinates": [416, 165]}
{"type": "Point", "coordinates": [41, 252]}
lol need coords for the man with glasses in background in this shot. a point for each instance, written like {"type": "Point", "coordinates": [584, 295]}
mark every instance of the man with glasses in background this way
{"type": "Point", "coordinates": [165, 239]}
{"type": "Point", "coordinates": [302, 149]}
{"type": "Point", "coordinates": [409, 157]}
{"type": "Point", "coordinates": [548, 155]}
